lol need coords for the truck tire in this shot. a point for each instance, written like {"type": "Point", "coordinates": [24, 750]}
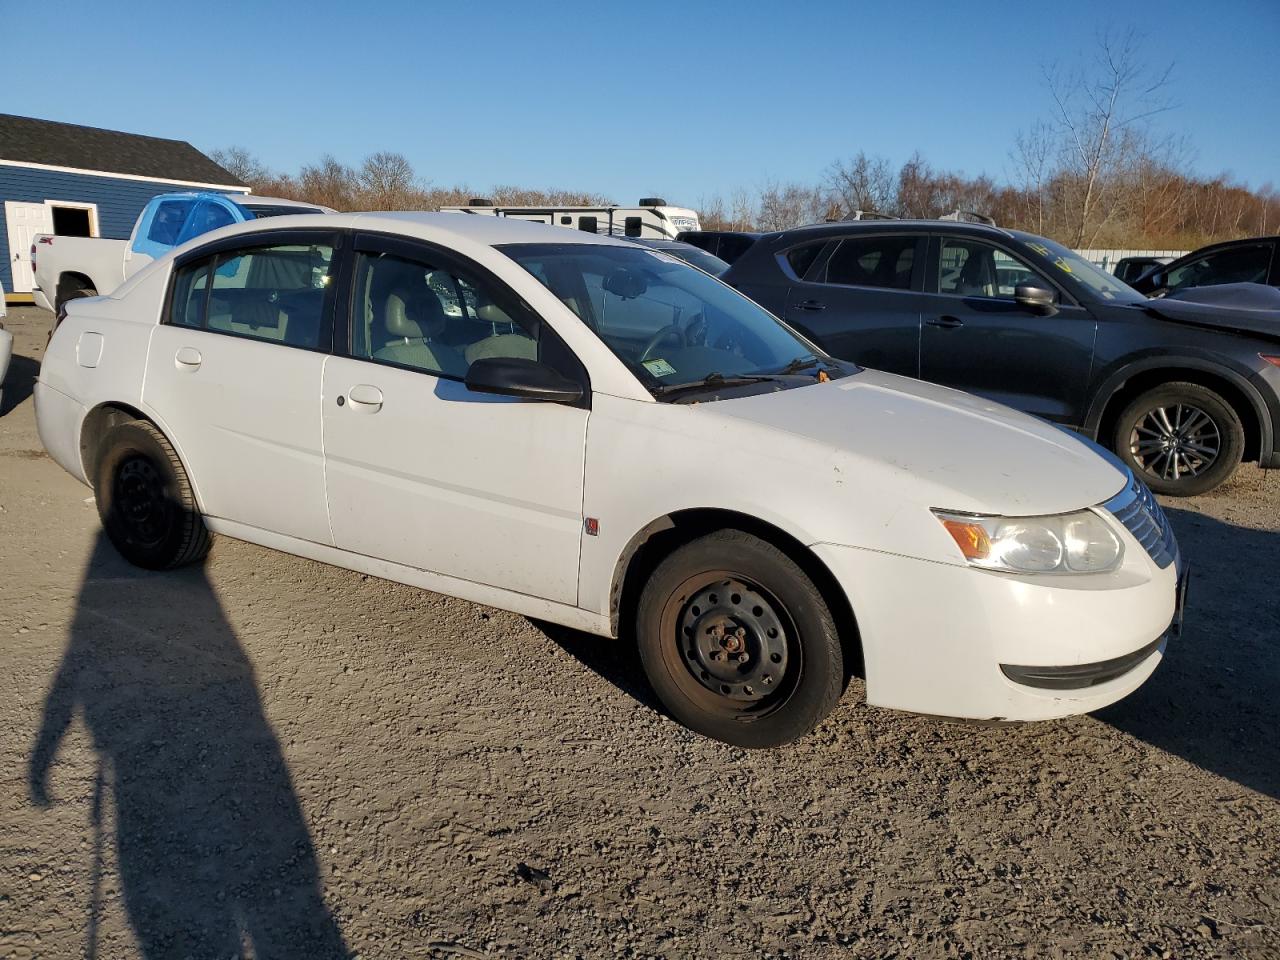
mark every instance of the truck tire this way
{"type": "Point", "coordinates": [737, 641]}
{"type": "Point", "coordinates": [145, 500]}
{"type": "Point", "coordinates": [71, 288]}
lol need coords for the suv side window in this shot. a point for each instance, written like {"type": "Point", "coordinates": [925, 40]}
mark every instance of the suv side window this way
{"type": "Point", "coordinates": [412, 314]}
{"type": "Point", "coordinates": [885, 261]}
{"type": "Point", "coordinates": [1247, 264]}
{"type": "Point", "coordinates": [972, 268]}
{"type": "Point", "coordinates": [276, 293]}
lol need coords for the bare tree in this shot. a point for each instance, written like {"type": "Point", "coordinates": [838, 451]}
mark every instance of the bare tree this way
{"type": "Point", "coordinates": [387, 182]}
{"type": "Point", "coordinates": [241, 164]}
{"type": "Point", "coordinates": [860, 183]}
{"type": "Point", "coordinates": [330, 183]}
{"type": "Point", "coordinates": [1101, 118]}
{"type": "Point", "coordinates": [782, 206]}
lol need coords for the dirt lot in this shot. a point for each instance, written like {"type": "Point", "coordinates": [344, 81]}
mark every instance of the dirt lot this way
{"type": "Point", "coordinates": [268, 751]}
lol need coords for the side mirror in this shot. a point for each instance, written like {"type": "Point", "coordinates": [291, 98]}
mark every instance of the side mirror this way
{"type": "Point", "coordinates": [517, 377]}
{"type": "Point", "coordinates": [1157, 280]}
{"type": "Point", "coordinates": [1037, 299]}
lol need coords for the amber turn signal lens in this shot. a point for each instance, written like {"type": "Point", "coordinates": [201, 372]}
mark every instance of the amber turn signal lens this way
{"type": "Point", "coordinates": [1274, 361]}
{"type": "Point", "coordinates": [970, 538]}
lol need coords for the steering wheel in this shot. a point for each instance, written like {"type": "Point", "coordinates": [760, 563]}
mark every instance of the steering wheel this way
{"type": "Point", "coordinates": [666, 333]}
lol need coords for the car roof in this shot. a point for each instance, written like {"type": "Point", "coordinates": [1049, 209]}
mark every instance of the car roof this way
{"type": "Point", "coordinates": [450, 227]}
{"type": "Point", "coordinates": [818, 231]}
{"type": "Point", "coordinates": [247, 199]}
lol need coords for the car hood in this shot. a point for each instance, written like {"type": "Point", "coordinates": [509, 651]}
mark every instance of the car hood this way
{"type": "Point", "coordinates": [955, 450]}
{"type": "Point", "coordinates": [1259, 322]}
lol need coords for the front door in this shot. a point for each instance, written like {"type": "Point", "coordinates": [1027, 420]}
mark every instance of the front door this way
{"type": "Point", "coordinates": [234, 373]}
{"type": "Point", "coordinates": [977, 338]}
{"type": "Point", "coordinates": [858, 301]}
{"type": "Point", "coordinates": [24, 221]}
{"type": "Point", "coordinates": [423, 472]}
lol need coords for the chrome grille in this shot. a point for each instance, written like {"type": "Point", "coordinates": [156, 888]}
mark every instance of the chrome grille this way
{"type": "Point", "coordinates": [1135, 506]}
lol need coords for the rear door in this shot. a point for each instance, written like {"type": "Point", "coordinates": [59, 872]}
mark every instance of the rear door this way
{"type": "Point", "coordinates": [977, 338]}
{"type": "Point", "coordinates": [859, 298]}
{"type": "Point", "coordinates": [234, 373]}
{"type": "Point", "coordinates": [422, 471]}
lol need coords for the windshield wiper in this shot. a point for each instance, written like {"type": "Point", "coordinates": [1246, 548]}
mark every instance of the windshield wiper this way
{"type": "Point", "coordinates": [710, 381]}
{"type": "Point", "coordinates": [800, 364]}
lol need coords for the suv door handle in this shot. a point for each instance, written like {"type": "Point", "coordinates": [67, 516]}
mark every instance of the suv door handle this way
{"type": "Point", "coordinates": [365, 398]}
{"type": "Point", "coordinates": [811, 305]}
{"type": "Point", "coordinates": [947, 323]}
{"type": "Point", "coordinates": [187, 358]}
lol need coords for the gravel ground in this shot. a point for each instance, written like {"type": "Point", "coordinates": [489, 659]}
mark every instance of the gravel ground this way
{"type": "Point", "coordinates": [269, 757]}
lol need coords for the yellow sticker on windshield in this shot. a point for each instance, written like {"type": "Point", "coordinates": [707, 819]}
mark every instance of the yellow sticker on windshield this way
{"type": "Point", "coordinates": [659, 367]}
{"type": "Point", "coordinates": [1062, 265]}
{"type": "Point", "coordinates": [1039, 248]}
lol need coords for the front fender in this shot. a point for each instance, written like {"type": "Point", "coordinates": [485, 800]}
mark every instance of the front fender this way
{"type": "Point", "coordinates": [1232, 371]}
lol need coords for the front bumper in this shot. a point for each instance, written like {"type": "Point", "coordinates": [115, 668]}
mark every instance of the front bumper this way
{"type": "Point", "coordinates": [934, 636]}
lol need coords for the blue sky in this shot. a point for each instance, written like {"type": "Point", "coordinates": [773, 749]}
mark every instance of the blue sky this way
{"type": "Point", "coordinates": [682, 100]}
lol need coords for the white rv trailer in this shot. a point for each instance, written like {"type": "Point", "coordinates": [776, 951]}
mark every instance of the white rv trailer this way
{"type": "Point", "coordinates": [652, 218]}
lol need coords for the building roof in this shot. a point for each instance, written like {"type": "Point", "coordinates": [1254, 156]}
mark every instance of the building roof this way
{"type": "Point", "coordinates": [53, 144]}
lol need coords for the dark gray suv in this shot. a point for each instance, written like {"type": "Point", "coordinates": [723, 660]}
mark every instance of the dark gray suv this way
{"type": "Point", "coordinates": [1182, 392]}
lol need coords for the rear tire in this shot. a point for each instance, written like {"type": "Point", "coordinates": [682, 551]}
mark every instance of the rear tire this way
{"type": "Point", "coordinates": [70, 289]}
{"type": "Point", "coordinates": [1181, 439]}
{"type": "Point", "coordinates": [737, 641]}
{"type": "Point", "coordinates": [145, 500]}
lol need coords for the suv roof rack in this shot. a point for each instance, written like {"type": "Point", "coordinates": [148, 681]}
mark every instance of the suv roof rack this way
{"type": "Point", "coordinates": [968, 216]}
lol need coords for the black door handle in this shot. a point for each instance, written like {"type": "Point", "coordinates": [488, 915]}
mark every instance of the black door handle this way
{"type": "Point", "coordinates": [948, 323]}
{"type": "Point", "coordinates": [811, 305]}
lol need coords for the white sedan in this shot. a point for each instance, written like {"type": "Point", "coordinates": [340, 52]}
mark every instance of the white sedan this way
{"type": "Point", "coordinates": [577, 429]}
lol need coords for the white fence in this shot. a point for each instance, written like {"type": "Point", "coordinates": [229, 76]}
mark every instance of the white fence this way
{"type": "Point", "coordinates": [1106, 259]}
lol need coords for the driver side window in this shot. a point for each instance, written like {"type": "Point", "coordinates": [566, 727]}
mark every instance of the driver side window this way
{"type": "Point", "coordinates": [412, 314]}
{"type": "Point", "coordinates": [971, 268]}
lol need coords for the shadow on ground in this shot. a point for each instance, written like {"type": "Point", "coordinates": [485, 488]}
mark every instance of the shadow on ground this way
{"type": "Point", "coordinates": [213, 853]}
{"type": "Point", "coordinates": [617, 661]}
{"type": "Point", "coordinates": [19, 381]}
{"type": "Point", "coordinates": [1213, 699]}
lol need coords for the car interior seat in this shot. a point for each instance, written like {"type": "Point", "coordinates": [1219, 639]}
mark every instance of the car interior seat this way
{"type": "Point", "coordinates": [410, 320]}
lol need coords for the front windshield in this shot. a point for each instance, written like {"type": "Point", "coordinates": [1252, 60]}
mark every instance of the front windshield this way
{"type": "Point", "coordinates": [669, 323]}
{"type": "Point", "coordinates": [1075, 271]}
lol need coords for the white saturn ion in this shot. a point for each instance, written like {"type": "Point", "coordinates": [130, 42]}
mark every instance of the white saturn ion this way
{"type": "Point", "coordinates": [596, 434]}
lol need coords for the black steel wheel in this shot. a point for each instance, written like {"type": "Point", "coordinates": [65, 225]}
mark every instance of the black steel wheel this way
{"type": "Point", "coordinates": [1181, 439]}
{"type": "Point", "coordinates": [738, 642]}
{"type": "Point", "coordinates": [145, 500]}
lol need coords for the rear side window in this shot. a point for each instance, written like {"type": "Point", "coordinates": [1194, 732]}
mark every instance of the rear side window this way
{"type": "Point", "coordinates": [166, 225]}
{"type": "Point", "coordinates": [801, 258]}
{"type": "Point", "coordinates": [873, 262]}
{"type": "Point", "coordinates": [276, 293]}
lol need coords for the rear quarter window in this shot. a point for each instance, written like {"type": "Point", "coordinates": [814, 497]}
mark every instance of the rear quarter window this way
{"type": "Point", "coordinates": [801, 258]}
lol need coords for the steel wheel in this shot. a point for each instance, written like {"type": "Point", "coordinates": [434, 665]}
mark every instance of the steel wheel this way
{"type": "Point", "coordinates": [738, 642]}
{"type": "Point", "coordinates": [139, 497]}
{"type": "Point", "coordinates": [1176, 441]}
{"type": "Point", "coordinates": [733, 640]}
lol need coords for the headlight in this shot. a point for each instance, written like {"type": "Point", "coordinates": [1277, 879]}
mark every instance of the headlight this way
{"type": "Point", "coordinates": [1068, 543]}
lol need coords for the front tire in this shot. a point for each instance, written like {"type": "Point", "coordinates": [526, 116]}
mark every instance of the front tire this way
{"type": "Point", "coordinates": [737, 641]}
{"type": "Point", "coordinates": [145, 500]}
{"type": "Point", "coordinates": [1181, 439]}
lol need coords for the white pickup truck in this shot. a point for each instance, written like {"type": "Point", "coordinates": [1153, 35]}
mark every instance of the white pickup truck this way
{"type": "Point", "coordinates": [67, 267]}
